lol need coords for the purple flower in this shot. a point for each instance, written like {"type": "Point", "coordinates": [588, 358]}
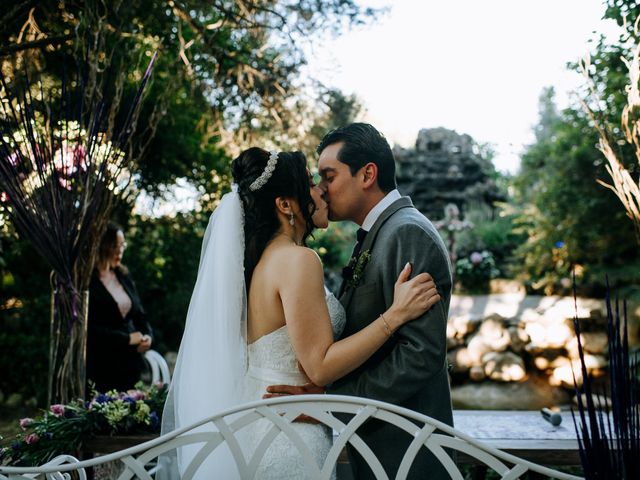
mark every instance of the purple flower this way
{"type": "Point", "coordinates": [31, 438]}
{"type": "Point", "coordinates": [57, 409]}
{"type": "Point", "coordinates": [136, 395]}
{"type": "Point", "coordinates": [559, 244]}
{"type": "Point", "coordinates": [102, 398]}
{"type": "Point", "coordinates": [476, 258]}
{"type": "Point", "coordinates": [129, 400]}
{"type": "Point", "coordinates": [48, 435]}
{"type": "Point", "coordinates": [153, 418]}
{"type": "Point", "coordinates": [25, 422]}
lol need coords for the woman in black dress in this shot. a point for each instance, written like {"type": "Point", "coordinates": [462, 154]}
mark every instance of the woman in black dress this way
{"type": "Point", "coordinates": [118, 332]}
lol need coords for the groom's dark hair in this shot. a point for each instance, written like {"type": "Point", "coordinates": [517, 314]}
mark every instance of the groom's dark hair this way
{"type": "Point", "coordinates": [362, 144]}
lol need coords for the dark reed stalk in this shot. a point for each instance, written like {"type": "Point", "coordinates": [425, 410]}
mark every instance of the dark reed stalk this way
{"type": "Point", "coordinates": [62, 170]}
{"type": "Point", "coordinates": [609, 439]}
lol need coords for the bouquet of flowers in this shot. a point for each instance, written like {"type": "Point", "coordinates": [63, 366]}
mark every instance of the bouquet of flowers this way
{"type": "Point", "coordinates": [63, 428]}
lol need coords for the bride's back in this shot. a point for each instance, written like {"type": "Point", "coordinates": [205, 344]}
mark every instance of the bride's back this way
{"type": "Point", "coordinates": [265, 313]}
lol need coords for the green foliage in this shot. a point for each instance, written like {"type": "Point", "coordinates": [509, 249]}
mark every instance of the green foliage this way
{"type": "Point", "coordinates": [334, 246]}
{"type": "Point", "coordinates": [183, 147]}
{"type": "Point", "coordinates": [492, 231]}
{"type": "Point", "coordinates": [227, 69]}
{"type": "Point", "coordinates": [163, 258]}
{"type": "Point", "coordinates": [25, 298]}
{"type": "Point", "coordinates": [63, 428]}
{"type": "Point", "coordinates": [335, 109]}
{"type": "Point", "coordinates": [569, 220]}
{"type": "Point", "coordinates": [20, 351]}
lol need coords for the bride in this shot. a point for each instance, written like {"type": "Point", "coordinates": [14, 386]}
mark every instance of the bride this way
{"type": "Point", "coordinates": [260, 315]}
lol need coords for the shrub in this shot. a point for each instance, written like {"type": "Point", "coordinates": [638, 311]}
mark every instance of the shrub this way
{"type": "Point", "coordinates": [475, 271]}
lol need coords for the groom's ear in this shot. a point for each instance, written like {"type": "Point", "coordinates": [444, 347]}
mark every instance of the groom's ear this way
{"type": "Point", "coordinates": [369, 175]}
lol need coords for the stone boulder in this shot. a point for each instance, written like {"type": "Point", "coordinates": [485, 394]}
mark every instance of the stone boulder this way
{"type": "Point", "coordinates": [494, 333]}
{"type": "Point", "coordinates": [565, 370]}
{"type": "Point", "coordinates": [552, 332]}
{"type": "Point", "coordinates": [504, 366]}
{"type": "Point", "coordinates": [476, 373]}
{"type": "Point", "coordinates": [476, 349]}
{"type": "Point", "coordinates": [592, 342]}
{"type": "Point", "coordinates": [532, 394]}
{"type": "Point", "coordinates": [460, 359]}
{"type": "Point", "coordinates": [519, 338]}
{"type": "Point", "coordinates": [463, 325]}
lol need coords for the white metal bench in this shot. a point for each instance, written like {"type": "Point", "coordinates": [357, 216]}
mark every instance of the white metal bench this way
{"type": "Point", "coordinates": [281, 411]}
{"type": "Point", "coordinates": [159, 367]}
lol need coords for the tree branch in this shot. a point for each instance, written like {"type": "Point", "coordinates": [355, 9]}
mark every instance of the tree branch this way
{"type": "Point", "coordinates": [43, 42]}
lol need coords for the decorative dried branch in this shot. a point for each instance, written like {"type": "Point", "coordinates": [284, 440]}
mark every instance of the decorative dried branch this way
{"type": "Point", "coordinates": [63, 165]}
{"type": "Point", "coordinates": [609, 439]}
{"type": "Point", "coordinates": [626, 188]}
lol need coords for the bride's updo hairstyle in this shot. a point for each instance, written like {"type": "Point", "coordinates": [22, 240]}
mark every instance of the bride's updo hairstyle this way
{"type": "Point", "coordinates": [289, 179]}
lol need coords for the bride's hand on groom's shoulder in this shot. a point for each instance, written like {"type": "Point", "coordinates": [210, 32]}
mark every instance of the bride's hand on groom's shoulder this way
{"type": "Point", "coordinates": [413, 296]}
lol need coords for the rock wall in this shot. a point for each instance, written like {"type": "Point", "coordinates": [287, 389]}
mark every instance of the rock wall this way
{"type": "Point", "coordinates": [443, 168]}
{"type": "Point", "coordinates": [521, 351]}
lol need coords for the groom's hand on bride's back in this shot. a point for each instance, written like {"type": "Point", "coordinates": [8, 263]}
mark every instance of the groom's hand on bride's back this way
{"type": "Point", "coordinates": [280, 390]}
{"type": "Point", "coordinates": [306, 389]}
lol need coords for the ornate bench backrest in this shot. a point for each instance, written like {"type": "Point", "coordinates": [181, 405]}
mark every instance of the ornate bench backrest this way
{"type": "Point", "coordinates": [212, 433]}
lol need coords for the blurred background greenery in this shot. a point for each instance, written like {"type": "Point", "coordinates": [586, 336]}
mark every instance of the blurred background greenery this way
{"type": "Point", "coordinates": [225, 79]}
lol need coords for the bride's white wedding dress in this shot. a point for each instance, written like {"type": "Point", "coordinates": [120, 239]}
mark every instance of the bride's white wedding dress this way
{"type": "Point", "coordinates": [216, 370]}
{"type": "Point", "coordinates": [272, 361]}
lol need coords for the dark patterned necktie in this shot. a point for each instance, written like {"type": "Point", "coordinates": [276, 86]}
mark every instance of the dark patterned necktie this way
{"type": "Point", "coordinates": [347, 272]}
{"type": "Point", "coordinates": [360, 234]}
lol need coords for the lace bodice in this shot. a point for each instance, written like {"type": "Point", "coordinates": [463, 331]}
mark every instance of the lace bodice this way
{"type": "Point", "coordinates": [272, 361]}
{"type": "Point", "coordinates": [272, 358]}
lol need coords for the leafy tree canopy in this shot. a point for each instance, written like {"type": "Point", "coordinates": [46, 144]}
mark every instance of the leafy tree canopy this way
{"type": "Point", "coordinates": [228, 72]}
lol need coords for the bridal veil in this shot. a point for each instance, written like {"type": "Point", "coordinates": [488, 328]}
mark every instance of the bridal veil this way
{"type": "Point", "coordinates": [210, 370]}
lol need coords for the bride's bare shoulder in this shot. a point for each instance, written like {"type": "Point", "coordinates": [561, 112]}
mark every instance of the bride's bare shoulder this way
{"type": "Point", "coordinates": [296, 254]}
{"type": "Point", "coordinates": [294, 258]}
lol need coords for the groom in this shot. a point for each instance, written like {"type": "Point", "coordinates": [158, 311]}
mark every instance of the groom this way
{"type": "Point", "coordinates": [358, 175]}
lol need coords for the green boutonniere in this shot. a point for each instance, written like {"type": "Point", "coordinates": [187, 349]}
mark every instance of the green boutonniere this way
{"type": "Point", "coordinates": [358, 265]}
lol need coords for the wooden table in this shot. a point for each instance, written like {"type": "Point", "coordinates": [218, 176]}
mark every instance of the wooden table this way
{"type": "Point", "coordinates": [522, 433]}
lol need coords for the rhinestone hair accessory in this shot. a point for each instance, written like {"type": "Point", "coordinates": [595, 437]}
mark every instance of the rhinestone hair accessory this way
{"type": "Point", "coordinates": [266, 175]}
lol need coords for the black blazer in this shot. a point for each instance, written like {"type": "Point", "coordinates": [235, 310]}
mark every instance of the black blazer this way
{"type": "Point", "coordinates": [111, 361]}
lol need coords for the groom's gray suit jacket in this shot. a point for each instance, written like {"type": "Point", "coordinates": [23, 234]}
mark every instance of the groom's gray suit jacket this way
{"type": "Point", "coordinates": [410, 370]}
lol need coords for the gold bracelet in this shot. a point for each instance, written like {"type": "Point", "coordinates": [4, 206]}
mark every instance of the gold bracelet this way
{"type": "Point", "coordinates": [386, 325]}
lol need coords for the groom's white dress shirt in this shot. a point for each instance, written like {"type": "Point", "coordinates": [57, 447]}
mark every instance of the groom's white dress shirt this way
{"type": "Point", "coordinates": [380, 207]}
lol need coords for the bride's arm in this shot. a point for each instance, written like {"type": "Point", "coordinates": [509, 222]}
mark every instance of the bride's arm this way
{"type": "Point", "coordinates": [309, 325]}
